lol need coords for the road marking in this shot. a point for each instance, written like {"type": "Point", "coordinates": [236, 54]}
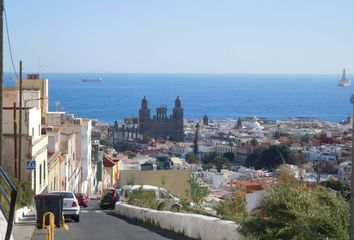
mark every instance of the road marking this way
{"type": "Point", "coordinates": [84, 211]}
{"type": "Point", "coordinates": [98, 211]}
{"type": "Point", "coordinates": [66, 227]}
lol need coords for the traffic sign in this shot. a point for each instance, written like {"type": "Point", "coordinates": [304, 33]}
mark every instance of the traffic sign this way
{"type": "Point", "coordinates": [30, 164]}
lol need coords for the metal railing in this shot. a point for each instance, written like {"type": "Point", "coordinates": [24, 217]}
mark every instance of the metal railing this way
{"type": "Point", "coordinates": [5, 182]}
{"type": "Point", "coordinates": [50, 227]}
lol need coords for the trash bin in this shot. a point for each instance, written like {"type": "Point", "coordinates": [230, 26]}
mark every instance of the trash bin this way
{"type": "Point", "coordinates": [49, 203]}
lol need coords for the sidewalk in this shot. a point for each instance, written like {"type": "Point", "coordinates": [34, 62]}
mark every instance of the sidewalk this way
{"type": "Point", "coordinates": [23, 230]}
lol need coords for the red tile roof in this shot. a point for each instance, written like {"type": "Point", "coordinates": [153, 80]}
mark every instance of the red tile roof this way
{"type": "Point", "coordinates": [107, 161]}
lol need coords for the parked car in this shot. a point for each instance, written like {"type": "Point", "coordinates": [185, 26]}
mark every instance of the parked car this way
{"type": "Point", "coordinates": [165, 200]}
{"type": "Point", "coordinates": [109, 198]}
{"type": "Point", "coordinates": [82, 199]}
{"type": "Point", "coordinates": [71, 208]}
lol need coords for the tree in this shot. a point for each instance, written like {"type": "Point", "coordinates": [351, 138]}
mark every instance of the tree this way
{"type": "Point", "coordinates": [255, 158]}
{"type": "Point", "coordinates": [276, 135]}
{"type": "Point", "coordinates": [325, 167]}
{"type": "Point", "coordinates": [234, 209]}
{"type": "Point", "coordinates": [342, 188]}
{"type": "Point", "coordinates": [191, 158]}
{"type": "Point", "coordinates": [198, 192]}
{"type": "Point", "coordinates": [208, 157]}
{"type": "Point", "coordinates": [195, 142]}
{"type": "Point", "coordinates": [305, 139]}
{"type": "Point", "coordinates": [230, 156]}
{"type": "Point", "coordinates": [293, 211]}
{"type": "Point", "coordinates": [254, 142]}
{"type": "Point", "coordinates": [271, 157]}
{"type": "Point", "coordinates": [219, 162]}
{"type": "Point", "coordinates": [207, 166]}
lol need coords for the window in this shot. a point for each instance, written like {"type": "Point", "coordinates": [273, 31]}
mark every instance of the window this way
{"type": "Point", "coordinates": [32, 132]}
{"type": "Point", "coordinates": [39, 130]}
{"type": "Point", "coordinates": [34, 178]}
{"type": "Point", "coordinates": [65, 194]}
{"type": "Point", "coordinates": [44, 167]}
{"type": "Point", "coordinates": [40, 174]}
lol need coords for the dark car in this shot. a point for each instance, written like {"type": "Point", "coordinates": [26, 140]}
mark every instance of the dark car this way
{"type": "Point", "coordinates": [109, 198]}
{"type": "Point", "coordinates": [82, 199]}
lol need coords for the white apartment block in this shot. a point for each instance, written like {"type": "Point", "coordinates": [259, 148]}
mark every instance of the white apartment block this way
{"type": "Point", "coordinates": [82, 129]}
{"type": "Point", "coordinates": [34, 144]}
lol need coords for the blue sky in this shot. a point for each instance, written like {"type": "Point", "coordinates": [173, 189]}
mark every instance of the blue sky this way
{"type": "Point", "coordinates": [182, 36]}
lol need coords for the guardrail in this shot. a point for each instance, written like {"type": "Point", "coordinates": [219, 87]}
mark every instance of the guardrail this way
{"type": "Point", "coordinates": [5, 182]}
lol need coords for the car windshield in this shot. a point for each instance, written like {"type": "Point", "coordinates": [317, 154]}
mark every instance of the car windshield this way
{"type": "Point", "coordinates": [65, 194]}
{"type": "Point", "coordinates": [109, 193]}
{"type": "Point", "coordinates": [164, 194]}
{"type": "Point", "coordinates": [68, 195]}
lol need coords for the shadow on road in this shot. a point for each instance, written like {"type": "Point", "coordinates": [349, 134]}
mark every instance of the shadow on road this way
{"type": "Point", "coordinates": [162, 232]}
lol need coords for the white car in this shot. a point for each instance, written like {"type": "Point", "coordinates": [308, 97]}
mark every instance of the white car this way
{"type": "Point", "coordinates": [165, 200]}
{"type": "Point", "coordinates": [71, 208]}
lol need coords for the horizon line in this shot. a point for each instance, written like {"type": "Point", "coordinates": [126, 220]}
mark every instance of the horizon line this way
{"type": "Point", "coordinates": [175, 73]}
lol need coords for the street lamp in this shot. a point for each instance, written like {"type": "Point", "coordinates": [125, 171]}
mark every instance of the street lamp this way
{"type": "Point", "coordinates": [28, 100]}
{"type": "Point", "coordinates": [20, 133]}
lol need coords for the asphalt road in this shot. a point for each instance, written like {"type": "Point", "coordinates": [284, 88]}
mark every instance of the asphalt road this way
{"type": "Point", "coordinates": [97, 224]}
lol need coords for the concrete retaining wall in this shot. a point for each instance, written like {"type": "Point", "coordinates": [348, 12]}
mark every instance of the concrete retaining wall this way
{"type": "Point", "coordinates": [20, 213]}
{"type": "Point", "coordinates": [191, 225]}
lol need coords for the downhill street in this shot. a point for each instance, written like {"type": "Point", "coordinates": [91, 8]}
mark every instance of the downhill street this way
{"type": "Point", "coordinates": [104, 224]}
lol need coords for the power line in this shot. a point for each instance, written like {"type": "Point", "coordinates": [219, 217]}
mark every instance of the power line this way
{"type": "Point", "coordinates": [9, 43]}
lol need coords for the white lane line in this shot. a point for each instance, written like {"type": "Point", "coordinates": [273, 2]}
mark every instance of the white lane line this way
{"type": "Point", "coordinates": [98, 211]}
{"type": "Point", "coordinates": [84, 211]}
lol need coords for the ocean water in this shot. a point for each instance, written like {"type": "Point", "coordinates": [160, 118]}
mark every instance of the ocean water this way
{"type": "Point", "coordinates": [218, 96]}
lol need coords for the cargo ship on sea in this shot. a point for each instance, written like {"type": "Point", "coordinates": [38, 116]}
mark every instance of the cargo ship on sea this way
{"type": "Point", "coordinates": [344, 82]}
{"type": "Point", "coordinates": [92, 80]}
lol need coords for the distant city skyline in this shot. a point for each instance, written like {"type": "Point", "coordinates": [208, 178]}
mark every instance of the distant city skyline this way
{"type": "Point", "coordinates": [157, 36]}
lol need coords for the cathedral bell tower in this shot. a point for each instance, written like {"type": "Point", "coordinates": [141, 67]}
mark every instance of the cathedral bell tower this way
{"type": "Point", "coordinates": [144, 112]}
{"type": "Point", "coordinates": [178, 110]}
{"type": "Point", "coordinates": [178, 118]}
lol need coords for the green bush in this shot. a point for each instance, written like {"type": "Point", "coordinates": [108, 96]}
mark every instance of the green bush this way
{"type": "Point", "coordinates": [25, 194]}
{"type": "Point", "coordinates": [234, 209]}
{"type": "Point", "coordinates": [290, 210]}
{"type": "Point", "coordinates": [24, 197]}
{"type": "Point", "coordinates": [145, 199]}
{"type": "Point", "coordinates": [198, 192]}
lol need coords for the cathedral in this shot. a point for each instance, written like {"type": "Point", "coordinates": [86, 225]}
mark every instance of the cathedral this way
{"type": "Point", "coordinates": [161, 126]}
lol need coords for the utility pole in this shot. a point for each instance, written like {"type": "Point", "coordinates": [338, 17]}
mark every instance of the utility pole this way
{"type": "Point", "coordinates": [20, 128]}
{"type": "Point", "coordinates": [15, 140]}
{"type": "Point", "coordinates": [1, 74]}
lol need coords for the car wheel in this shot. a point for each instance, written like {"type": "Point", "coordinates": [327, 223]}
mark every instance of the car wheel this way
{"type": "Point", "coordinates": [175, 208]}
{"type": "Point", "coordinates": [102, 207]}
{"type": "Point", "coordinates": [85, 205]}
{"type": "Point", "coordinates": [77, 218]}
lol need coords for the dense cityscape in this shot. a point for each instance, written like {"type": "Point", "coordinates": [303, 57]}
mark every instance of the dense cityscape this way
{"type": "Point", "coordinates": [202, 161]}
{"type": "Point", "coordinates": [176, 120]}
